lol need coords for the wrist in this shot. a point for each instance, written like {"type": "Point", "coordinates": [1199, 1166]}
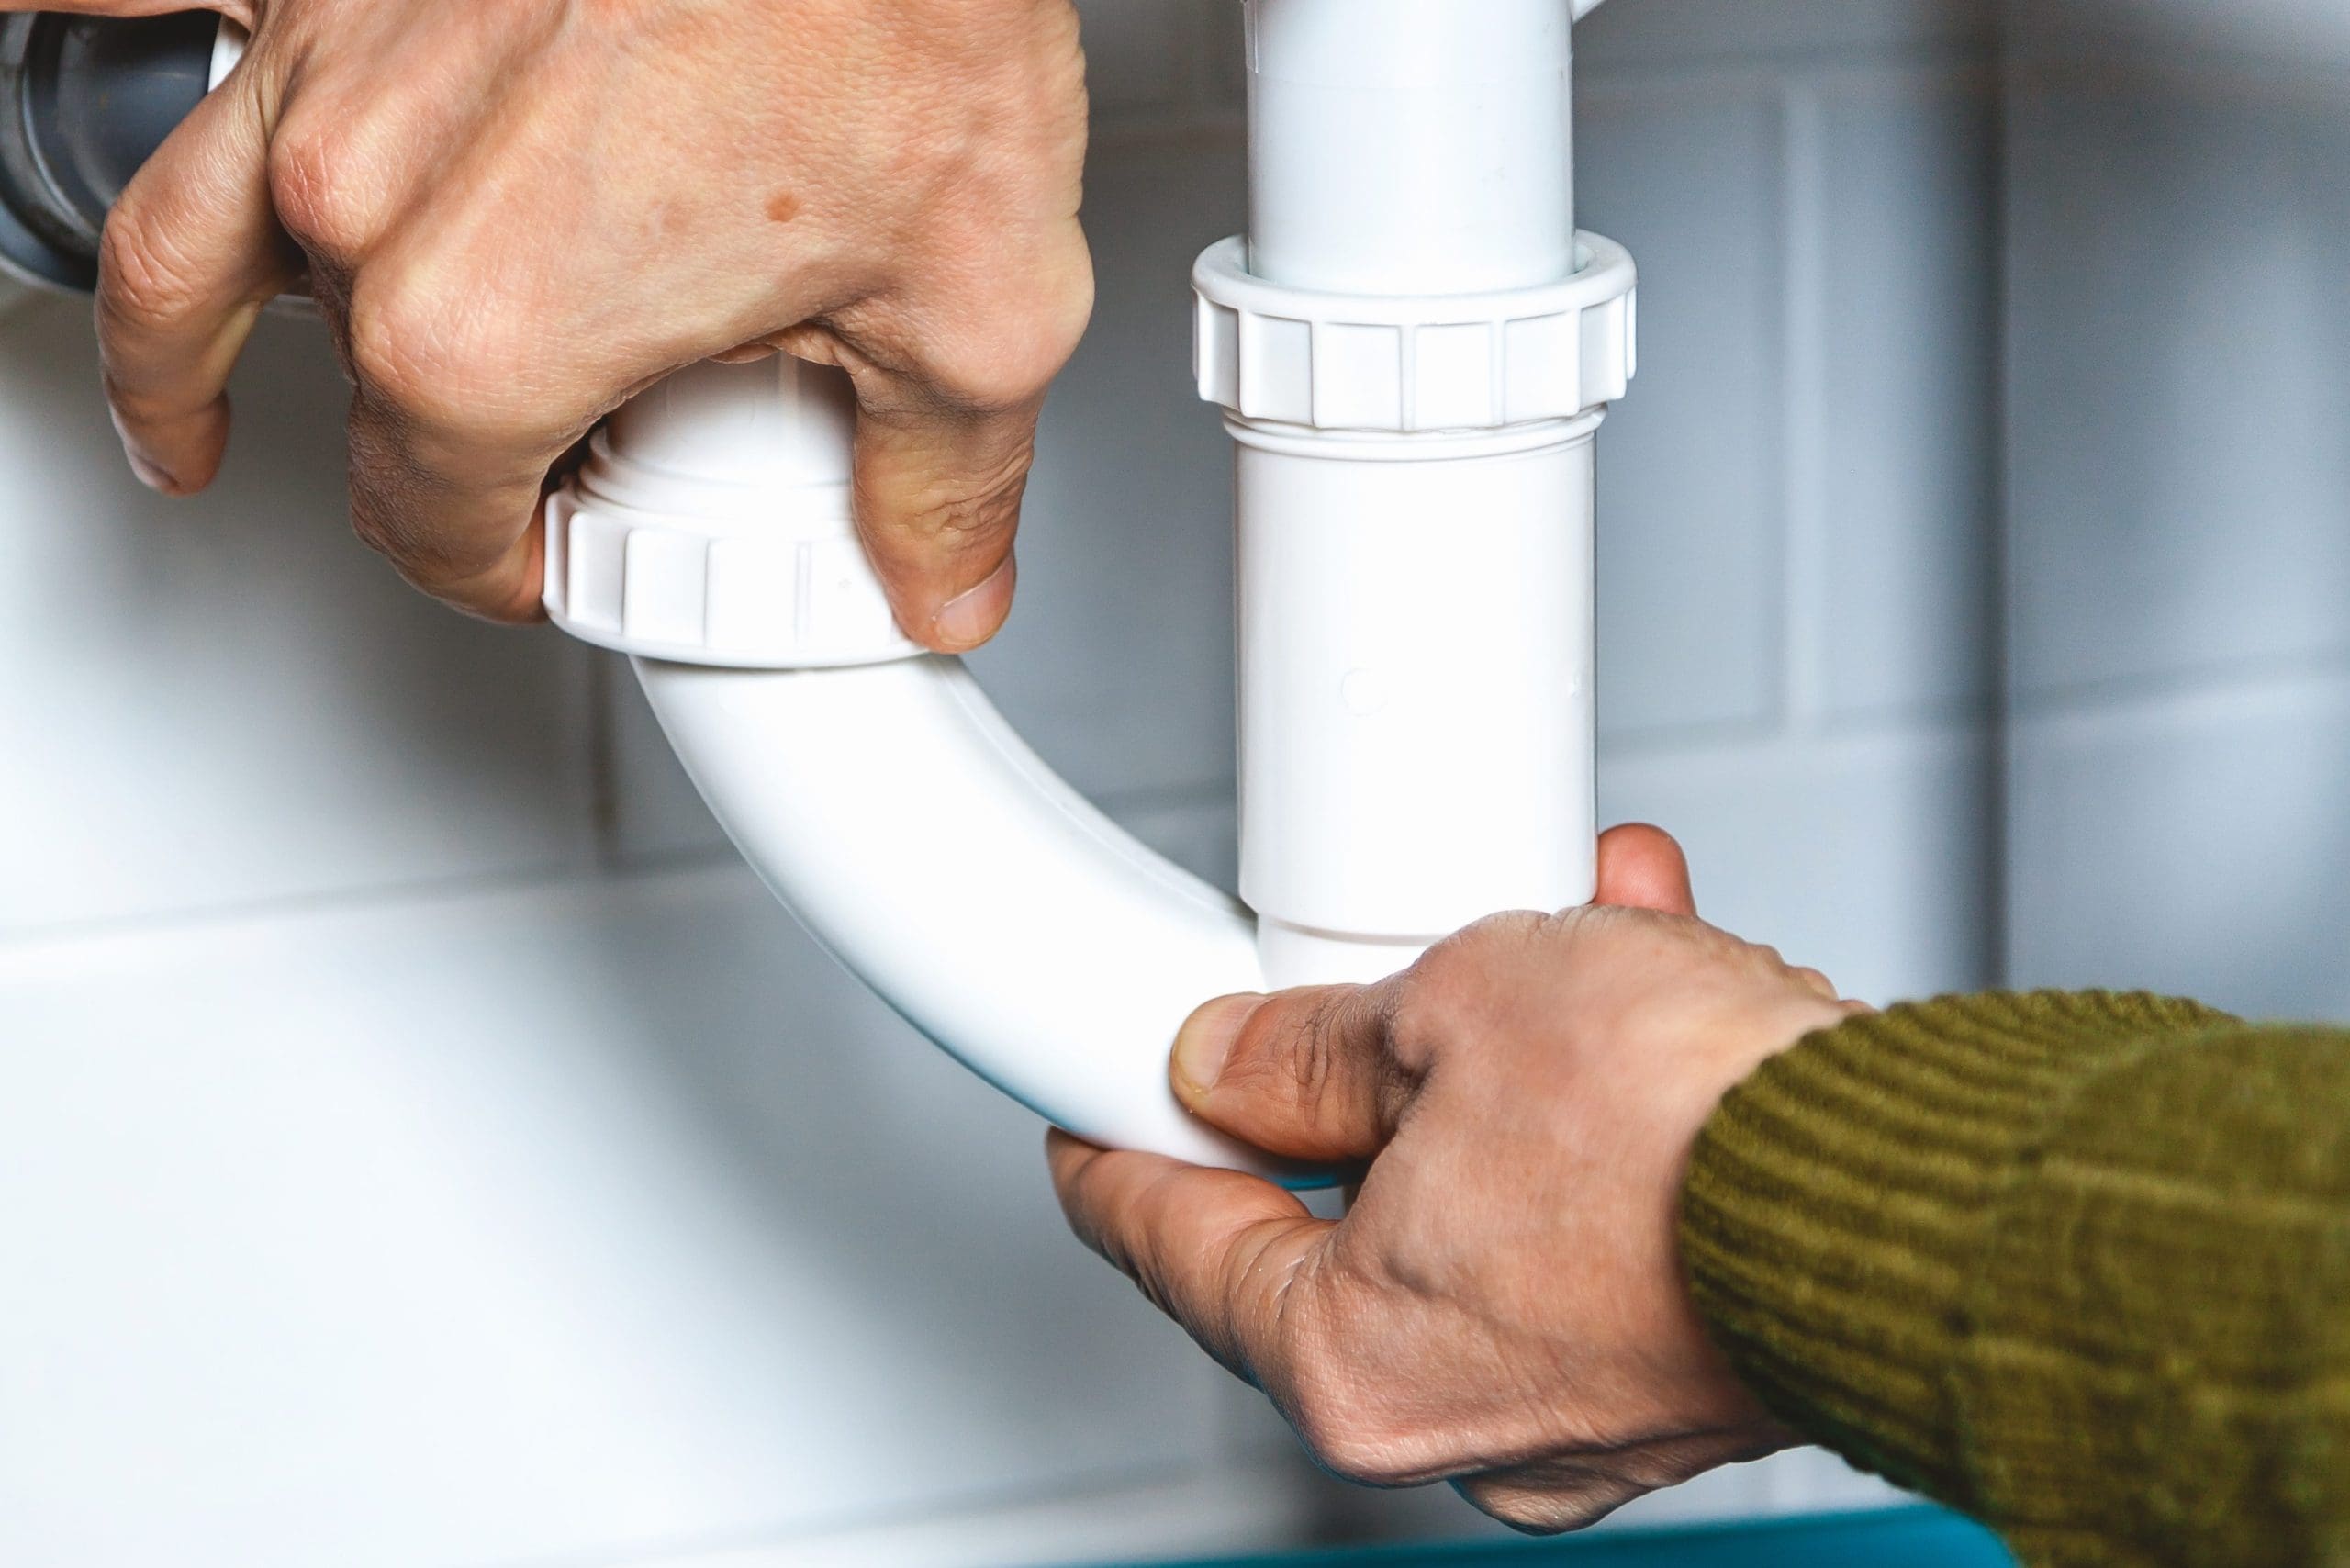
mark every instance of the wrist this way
{"type": "Point", "coordinates": [1838, 1205]}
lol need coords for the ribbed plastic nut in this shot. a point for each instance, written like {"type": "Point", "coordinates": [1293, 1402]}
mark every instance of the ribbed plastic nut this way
{"type": "Point", "coordinates": [694, 592]}
{"type": "Point", "coordinates": [1343, 362]}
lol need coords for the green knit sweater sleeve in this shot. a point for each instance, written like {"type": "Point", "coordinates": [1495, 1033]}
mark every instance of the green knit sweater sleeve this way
{"type": "Point", "coordinates": [2078, 1265]}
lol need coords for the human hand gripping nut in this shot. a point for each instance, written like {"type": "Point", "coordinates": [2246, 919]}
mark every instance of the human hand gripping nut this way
{"type": "Point", "coordinates": [1502, 1305]}
{"type": "Point", "coordinates": [516, 214]}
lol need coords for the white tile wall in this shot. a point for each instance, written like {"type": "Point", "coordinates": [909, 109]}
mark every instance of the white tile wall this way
{"type": "Point", "coordinates": [2194, 839]}
{"type": "Point", "coordinates": [655, 1230]}
{"type": "Point", "coordinates": [1692, 545]}
{"type": "Point", "coordinates": [2274, 39]}
{"type": "Point", "coordinates": [1884, 831]}
{"type": "Point", "coordinates": [1798, 524]}
{"type": "Point", "coordinates": [1118, 665]}
{"type": "Point", "coordinates": [2179, 475]}
{"type": "Point", "coordinates": [1643, 33]}
{"type": "Point", "coordinates": [229, 702]}
{"type": "Point", "coordinates": [1900, 451]}
{"type": "Point", "coordinates": [2178, 582]}
{"type": "Point", "coordinates": [409, 1099]}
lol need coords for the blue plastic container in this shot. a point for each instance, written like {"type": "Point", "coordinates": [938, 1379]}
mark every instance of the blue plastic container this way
{"type": "Point", "coordinates": [1900, 1538]}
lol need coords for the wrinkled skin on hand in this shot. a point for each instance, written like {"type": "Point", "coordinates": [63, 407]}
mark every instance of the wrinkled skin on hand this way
{"type": "Point", "coordinates": [518, 213]}
{"type": "Point", "coordinates": [1502, 1306]}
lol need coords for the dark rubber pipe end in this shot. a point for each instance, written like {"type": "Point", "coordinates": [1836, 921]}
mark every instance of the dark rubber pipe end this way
{"type": "Point", "coordinates": [85, 102]}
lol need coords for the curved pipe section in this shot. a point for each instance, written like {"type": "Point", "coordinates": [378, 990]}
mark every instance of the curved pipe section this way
{"type": "Point", "coordinates": [931, 852]}
{"type": "Point", "coordinates": [1414, 506]}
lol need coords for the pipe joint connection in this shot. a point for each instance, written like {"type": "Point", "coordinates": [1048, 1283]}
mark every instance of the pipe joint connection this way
{"type": "Point", "coordinates": [713, 523]}
{"type": "Point", "coordinates": [1466, 364]}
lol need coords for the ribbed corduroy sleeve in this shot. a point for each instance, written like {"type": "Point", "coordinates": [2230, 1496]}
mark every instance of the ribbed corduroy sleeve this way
{"type": "Point", "coordinates": [2076, 1264]}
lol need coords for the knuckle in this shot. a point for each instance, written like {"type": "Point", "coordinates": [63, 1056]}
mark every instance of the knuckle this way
{"type": "Point", "coordinates": [970, 506]}
{"type": "Point", "coordinates": [1345, 1419]}
{"type": "Point", "coordinates": [1356, 1456]}
{"type": "Point", "coordinates": [373, 522]}
{"type": "Point", "coordinates": [443, 367]}
{"type": "Point", "coordinates": [1459, 996]}
{"type": "Point", "coordinates": [1461, 968]}
{"type": "Point", "coordinates": [1298, 1049]}
{"type": "Point", "coordinates": [1423, 1014]}
{"type": "Point", "coordinates": [399, 352]}
{"type": "Point", "coordinates": [1343, 1437]}
{"type": "Point", "coordinates": [145, 282]}
{"type": "Point", "coordinates": [1001, 355]}
{"type": "Point", "coordinates": [1049, 337]}
{"type": "Point", "coordinates": [314, 175]}
{"type": "Point", "coordinates": [374, 530]}
{"type": "Point", "coordinates": [996, 377]}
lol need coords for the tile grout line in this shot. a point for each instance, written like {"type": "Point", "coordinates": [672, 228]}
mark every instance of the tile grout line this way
{"type": "Point", "coordinates": [608, 868]}
{"type": "Point", "coordinates": [1803, 438]}
{"type": "Point", "coordinates": [1998, 953]}
{"type": "Point", "coordinates": [1814, 745]}
{"type": "Point", "coordinates": [1764, 72]}
{"type": "Point", "coordinates": [2115, 696]}
{"type": "Point", "coordinates": [549, 878]}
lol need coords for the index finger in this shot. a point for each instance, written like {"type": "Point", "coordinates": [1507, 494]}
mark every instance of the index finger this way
{"type": "Point", "coordinates": [1223, 1254]}
{"type": "Point", "coordinates": [191, 252]}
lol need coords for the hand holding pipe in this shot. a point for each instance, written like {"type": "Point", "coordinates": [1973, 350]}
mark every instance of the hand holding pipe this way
{"type": "Point", "coordinates": [496, 234]}
{"type": "Point", "coordinates": [1414, 348]}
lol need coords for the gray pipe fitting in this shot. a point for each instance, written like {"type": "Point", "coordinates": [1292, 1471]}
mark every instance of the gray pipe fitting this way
{"type": "Point", "coordinates": [84, 101]}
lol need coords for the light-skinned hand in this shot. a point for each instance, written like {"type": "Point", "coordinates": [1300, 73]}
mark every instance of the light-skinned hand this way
{"type": "Point", "coordinates": [518, 213]}
{"type": "Point", "coordinates": [1502, 1306]}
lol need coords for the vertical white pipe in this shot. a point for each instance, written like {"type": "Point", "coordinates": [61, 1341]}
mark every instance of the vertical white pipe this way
{"type": "Point", "coordinates": [1416, 656]}
{"type": "Point", "coordinates": [1420, 147]}
{"type": "Point", "coordinates": [1415, 605]}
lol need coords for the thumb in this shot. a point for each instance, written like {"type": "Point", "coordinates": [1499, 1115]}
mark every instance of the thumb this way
{"type": "Point", "coordinates": [938, 493]}
{"type": "Point", "coordinates": [1643, 868]}
{"type": "Point", "coordinates": [1308, 1074]}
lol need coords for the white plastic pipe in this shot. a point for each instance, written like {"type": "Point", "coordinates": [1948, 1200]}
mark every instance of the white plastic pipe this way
{"type": "Point", "coordinates": [873, 788]}
{"type": "Point", "coordinates": [1416, 664]}
{"type": "Point", "coordinates": [1415, 477]}
{"type": "Point", "coordinates": [1410, 147]}
{"type": "Point", "coordinates": [1414, 399]}
{"type": "Point", "coordinates": [930, 851]}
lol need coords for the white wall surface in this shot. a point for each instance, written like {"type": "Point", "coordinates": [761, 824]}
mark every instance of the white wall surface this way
{"type": "Point", "coordinates": [2178, 565]}
{"type": "Point", "coordinates": [423, 1145]}
{"type": "Point", "coordinates": [1797, 523]}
